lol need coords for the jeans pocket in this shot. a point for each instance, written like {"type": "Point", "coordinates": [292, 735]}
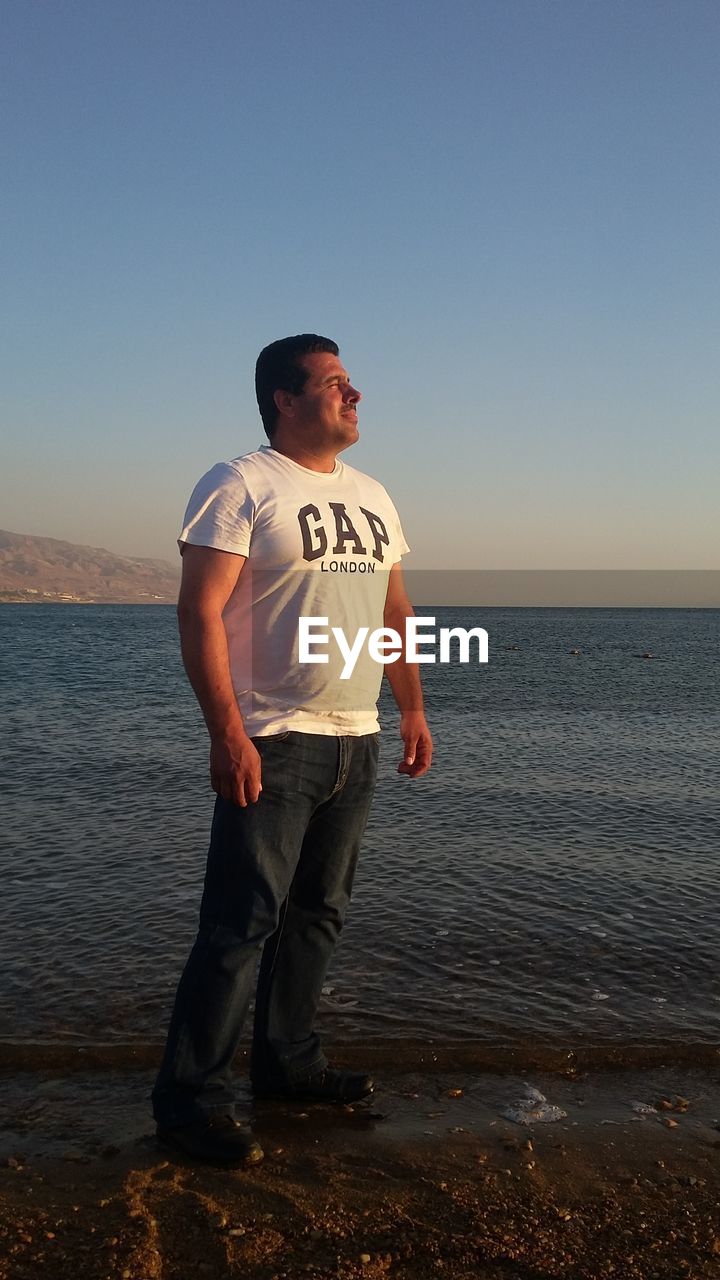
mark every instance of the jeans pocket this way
{"type": "Point", "coordinates": [271, 737]}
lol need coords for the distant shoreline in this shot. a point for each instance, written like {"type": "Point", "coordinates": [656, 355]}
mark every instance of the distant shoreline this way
{"type": "Point", "coordinates": [47, 599]}
{"type": "Point", "coordinates": [35, 570]}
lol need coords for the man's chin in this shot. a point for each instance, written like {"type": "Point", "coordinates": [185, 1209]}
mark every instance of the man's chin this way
{"type": "Point", "coordinates": [346, 443]}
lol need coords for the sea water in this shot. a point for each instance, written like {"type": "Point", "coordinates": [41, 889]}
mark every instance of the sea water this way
{"type": "Point", "coordinates": [553, 879]}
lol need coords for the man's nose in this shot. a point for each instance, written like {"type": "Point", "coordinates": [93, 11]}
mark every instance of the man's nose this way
{"type": "Point", "coordinates": [352, 395]}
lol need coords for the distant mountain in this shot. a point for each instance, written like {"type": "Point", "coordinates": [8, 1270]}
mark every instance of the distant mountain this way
{"type": "Point", "coordinates": [47, 571]}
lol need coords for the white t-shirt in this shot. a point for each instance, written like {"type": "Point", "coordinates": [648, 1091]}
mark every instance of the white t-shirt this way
{"type": "Point", "coordinates": [317, 545]}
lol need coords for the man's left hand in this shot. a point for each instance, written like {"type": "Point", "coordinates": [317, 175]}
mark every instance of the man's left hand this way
{"type": "Point", "coordinates": [418, 744]}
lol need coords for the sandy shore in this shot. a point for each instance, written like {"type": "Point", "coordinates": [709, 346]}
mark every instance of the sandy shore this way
{"type": "Point", "coordinates": [429, 1179]}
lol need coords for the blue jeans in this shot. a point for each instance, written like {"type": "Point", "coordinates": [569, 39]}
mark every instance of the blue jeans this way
{"type": "Point", "coordinates": [279, 876]}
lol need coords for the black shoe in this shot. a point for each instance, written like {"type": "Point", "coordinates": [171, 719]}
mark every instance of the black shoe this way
{"type": "Point", "coordinates": [326, 1085]}
{"type": "Point", "coordinates": [218, 1139]}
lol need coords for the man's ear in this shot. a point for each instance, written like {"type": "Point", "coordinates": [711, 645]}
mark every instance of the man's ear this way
{"type": "Point", "coordinates": [284, 402]}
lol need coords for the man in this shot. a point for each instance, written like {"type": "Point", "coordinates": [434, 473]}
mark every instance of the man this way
{"type": "Point", "coordinates": [282, 533]}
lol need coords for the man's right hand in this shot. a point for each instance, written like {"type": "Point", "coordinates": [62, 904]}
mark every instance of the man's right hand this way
{"type": "Point", "coordinates": [235, 770]}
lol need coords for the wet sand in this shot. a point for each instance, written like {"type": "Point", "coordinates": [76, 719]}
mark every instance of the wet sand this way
{"type": "Point", "coordinates": [428, 1179]}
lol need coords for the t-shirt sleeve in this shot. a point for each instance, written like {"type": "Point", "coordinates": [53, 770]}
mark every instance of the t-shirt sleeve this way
{"type": "Point", "coordinates": [220, 512]}
{"type": "Point", "coordinates": [399, 546]}
{"type": "Point", "coordinates": [403, 546]}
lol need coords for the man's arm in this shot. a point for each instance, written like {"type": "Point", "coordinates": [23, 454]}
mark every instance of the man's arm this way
{"type": "Point", "coordinates": [404, 680]}
{"type": "Point", "coordinates": [208, 579]}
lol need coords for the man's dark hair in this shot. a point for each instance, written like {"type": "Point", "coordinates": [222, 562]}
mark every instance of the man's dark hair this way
{"type": "Point", "coordinates": [279, 368]}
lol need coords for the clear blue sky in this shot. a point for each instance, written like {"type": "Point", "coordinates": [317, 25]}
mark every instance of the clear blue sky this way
{"type": "Point", "coordinates": [505, 211]}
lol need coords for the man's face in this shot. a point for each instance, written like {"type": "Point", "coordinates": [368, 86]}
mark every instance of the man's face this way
{"type": "Point", "coordinates": [325, 413]}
